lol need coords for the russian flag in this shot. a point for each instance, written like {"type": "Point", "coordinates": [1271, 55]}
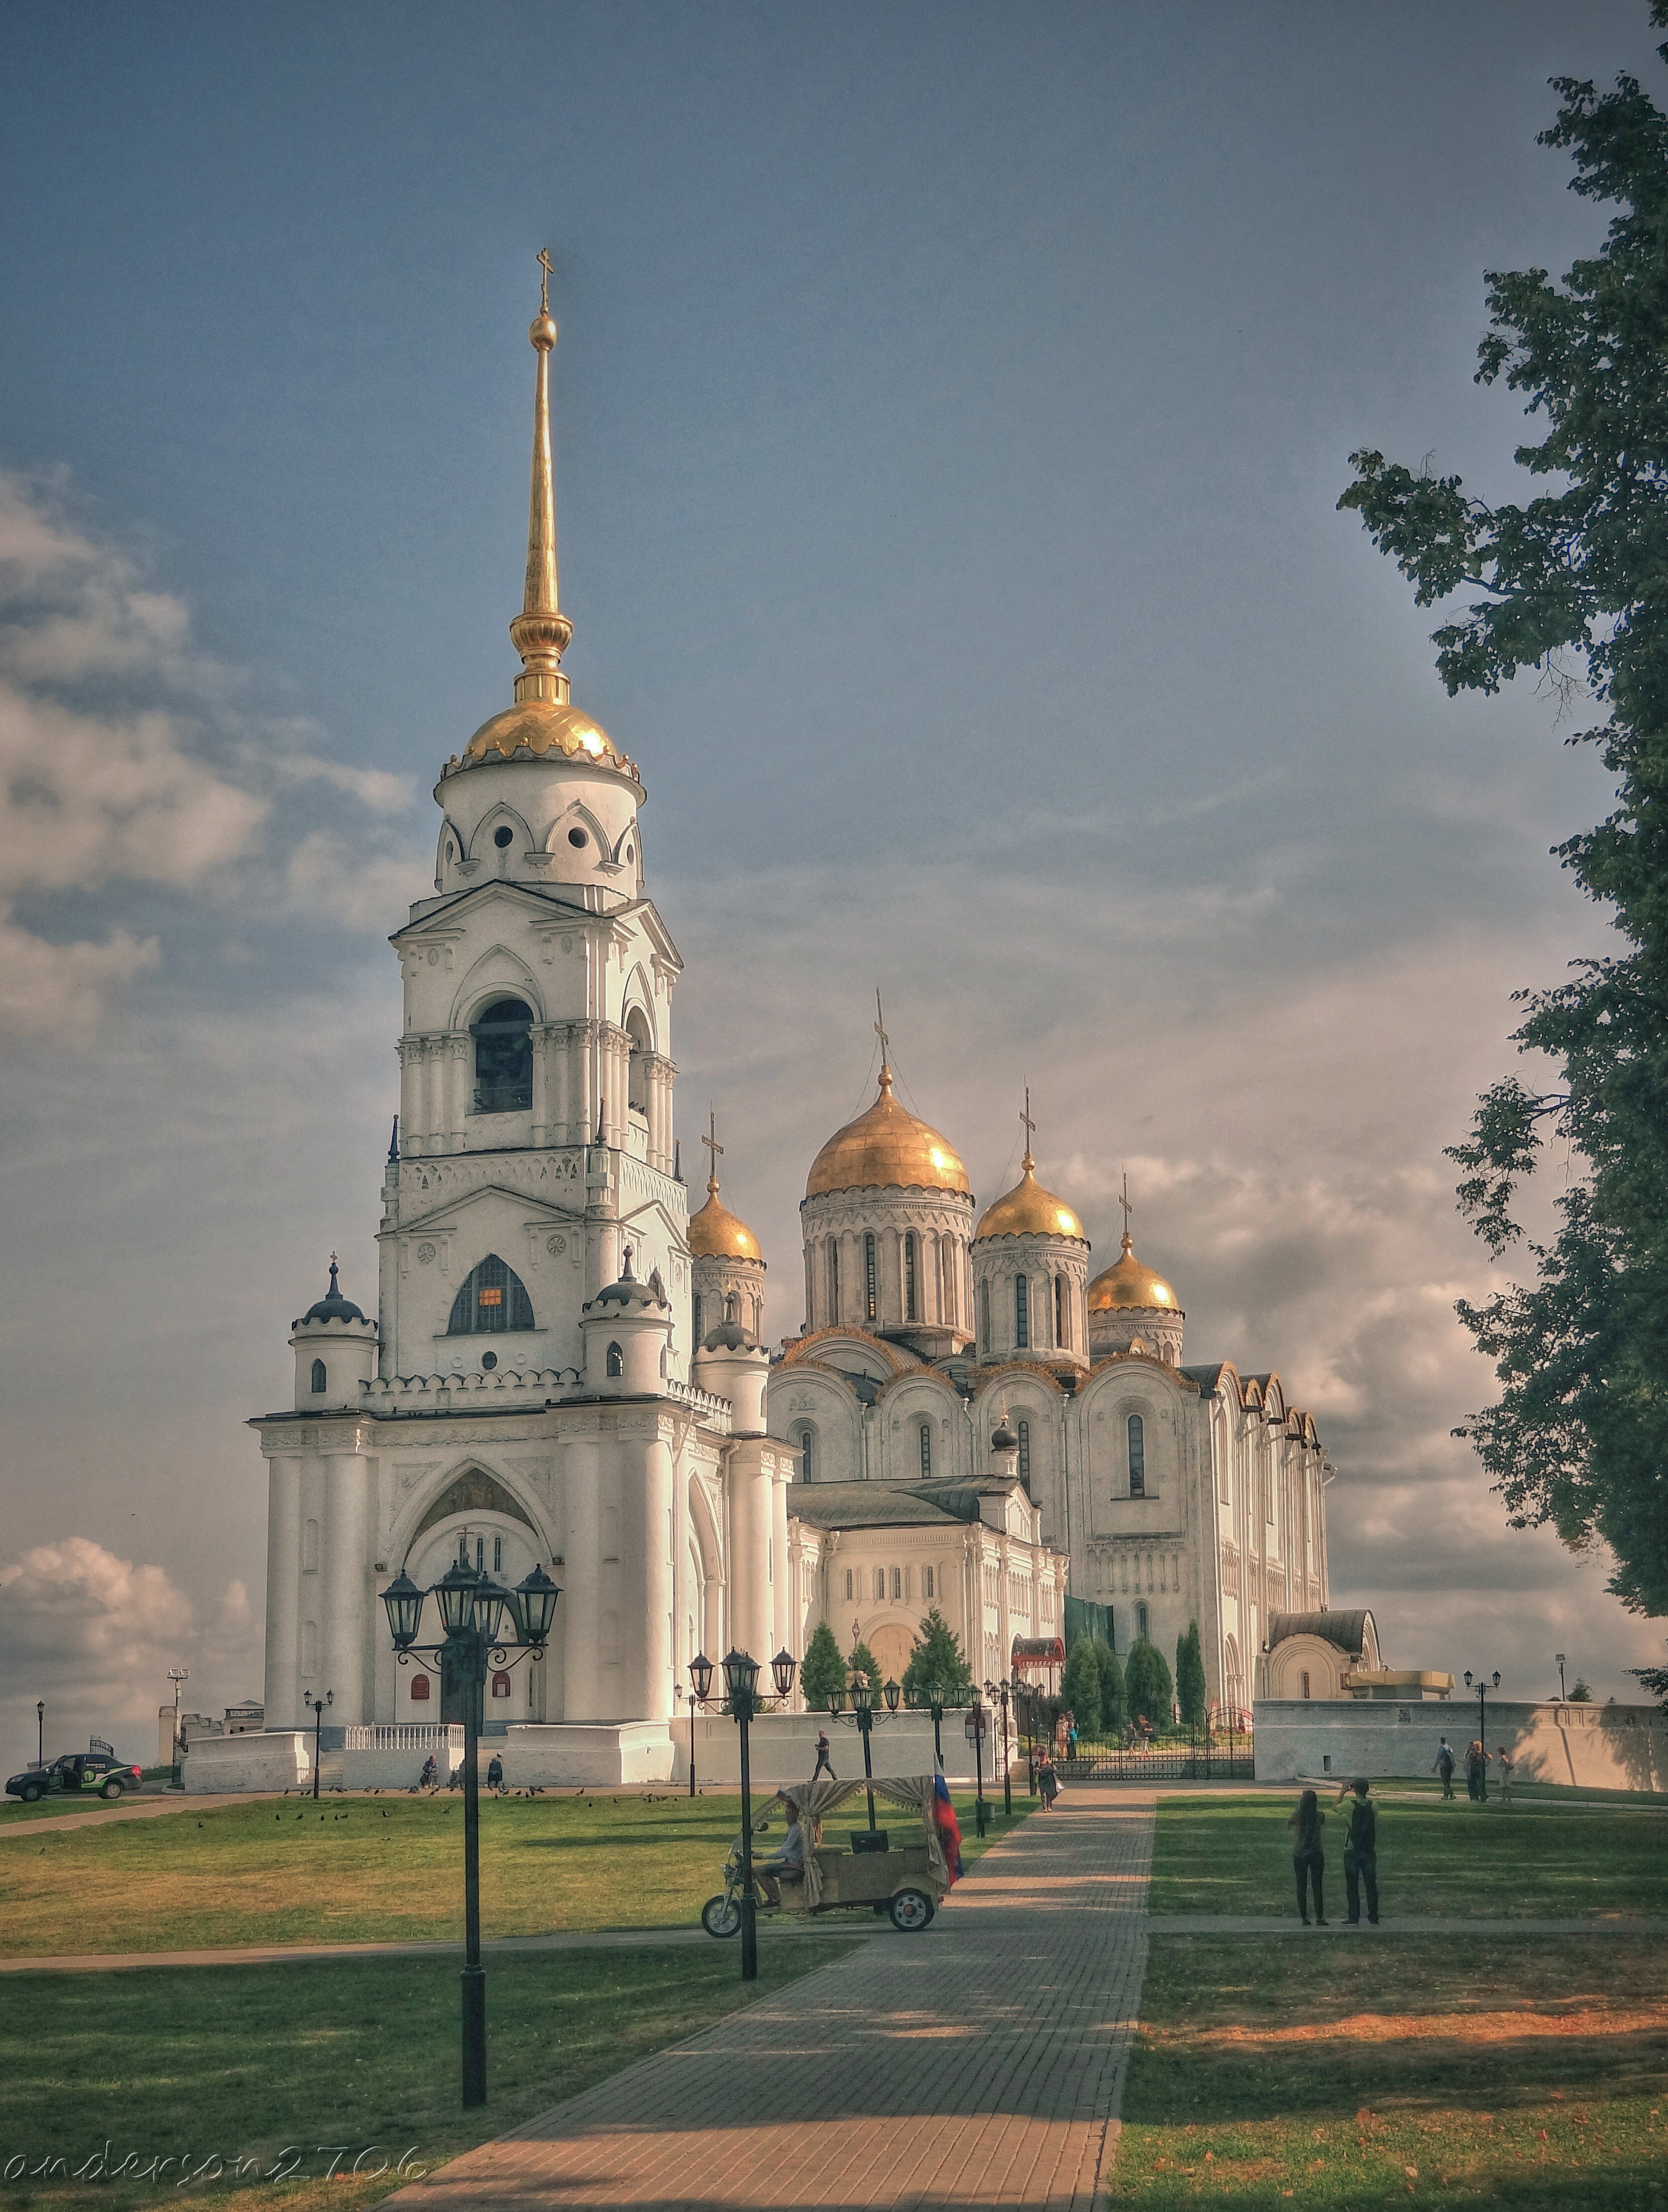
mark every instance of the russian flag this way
{"type": "Point", "coordinates": [949, 1833]}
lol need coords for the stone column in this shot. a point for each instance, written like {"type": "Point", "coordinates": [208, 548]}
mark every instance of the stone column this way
{"type": "Point", "coordinates": [540, 1044]}
{"type": "Point", "coordinates": [747, 1488]}
{"type": "Point", "coordinates": [283, 1595]}
{"type": "Point", "coordinates": [459, 1052]}
{"type": "Point", "coordinates": [646, 1466]}
{"type": "Point", "coordinates": [344, 1575]}
{"type": "Point", "coordinates": [784, 1634]}
{"type": "Point", "coordinates": [581, 1478]}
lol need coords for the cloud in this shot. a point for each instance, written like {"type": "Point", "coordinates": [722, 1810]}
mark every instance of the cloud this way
{"type": "Point", "coordinates": [58, 993]}
{"type": "Point", "coordinates": [95, 1635]}
{"type": "Point", "coordinates": [330, 873]}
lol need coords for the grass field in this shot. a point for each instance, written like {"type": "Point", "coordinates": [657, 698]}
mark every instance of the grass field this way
{"type": "Point", "coordinates": [1292, 2079]}
{"type": "Point", "coordinates": [374, 1869]}
{"type": "Point", "coordinates": [1234, 1855]}
{"type": "Point", "coordinates": [287, 2067]}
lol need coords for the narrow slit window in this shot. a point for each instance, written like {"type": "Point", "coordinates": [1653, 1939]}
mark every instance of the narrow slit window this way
{"type": "Point", "coordinates": [1059, 1311]}
{"type": "Point", "coordinates": [1138, 1457]}
{"type": "Point", "coordinates": [805, 1436]}
{"type": "Point", "coordinates": [880, 1584]}
{"type": "Point", "coordinates": [850, 1592]}
{"type": "Point", "coordinates": [870, 1286]}
{"type": "Point", "coordinates": [909, 1276]}
{"type": "Point", "coordinates": [616, 1360]}
{"type": "Point", "coordinates": [926, 1582]}
{"type": "Point", "coordinates": [320, 1380]}
{"type": "Point", "coordinates": [1025, 1453]}
{"type": "Point", "coordinates": [897, 1583]}
{"type": "Point", "coordinates": [834, 1283]}
{"type": "Point", "coordinates": [1021, 1314]}
{"type": "Point", "coordinates": [984, 1317]}
{"type": "Point", "coordinates": [926, 1448]}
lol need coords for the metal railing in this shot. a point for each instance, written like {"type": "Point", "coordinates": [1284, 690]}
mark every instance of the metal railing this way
{"type": "Point", "coordinates": [404, 1736]}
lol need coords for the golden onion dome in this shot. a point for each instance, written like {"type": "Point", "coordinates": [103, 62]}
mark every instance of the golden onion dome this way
{"type": "Point", "coordinates": [715, 1233]}
{"type": "Point", "coordinates": [886, 1149]}
{"type": "Point", "coordinates": [1029, 1210]}
{"type": "Point", "coordinates": [543, 726]}
{"type": "Point", "coordinates": [1127, 1283]}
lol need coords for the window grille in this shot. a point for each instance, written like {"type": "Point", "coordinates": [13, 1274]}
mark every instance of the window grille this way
{"type": "Point", "coordinates": [503, 1057]}
{"type": "Point", "coordinates": [909, 1274]}
{"type": "Point", "coordinates": [871, 1286]}
{"type": "Point", "coordinates": [926, 1448]}
{"type": "Point", "coordinates": [1021, 1314]}
{"type": "Point", "coordinates": [1138, 1457]}
{"type": "Point", "coordinates": [492, 1298]}
{"type": "Point", "coordinates": [1025, 1453]}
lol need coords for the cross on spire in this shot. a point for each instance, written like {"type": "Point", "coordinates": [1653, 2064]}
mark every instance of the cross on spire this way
{"type": "Point", "coordinates": [715, 1149]}
{"type": "Point", "coordinates": [544, 263]}
{"type": "Point", "coordinates": [880, 1031]}
{"type": "Point", "coordinates": [1029, 1127]}
{"type": "Point", "coordinates": [1128, 1208]}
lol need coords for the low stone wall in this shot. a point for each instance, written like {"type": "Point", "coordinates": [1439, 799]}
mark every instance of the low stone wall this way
{"type": "Point", "coordinates": [601, 1754]}
{"type": "Point", "coordinates": [276, 1759]}
{"type": "Point", "coordinates": [1592, 1747]}
{"type": "Point", "coordinates": [782, 1748]}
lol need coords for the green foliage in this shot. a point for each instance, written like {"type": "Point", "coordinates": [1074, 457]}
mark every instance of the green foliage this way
{"type": "Point", "coordinates": [1581, 1691]}
{"type": "Point", "coordinates": [862, 1661]}
{"type": "Point", "coordinates": [1570, 582]}
{"type": "Point", "coordinates": [824, 1669]}
{"type": "Point", "coordinates": [1115, 1705]}
{"type": "Point", "coordinates": [937, 1661]}
{"type": "Point", "coordinates": [1190, 1676]}
{"type": "Point", "coordinates": [1147, 1684]}
{"type": "Point", "coordinates": [1080, 1685]}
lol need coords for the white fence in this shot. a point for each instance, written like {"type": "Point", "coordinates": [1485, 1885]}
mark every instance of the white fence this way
{"type": "Point", "coordinates": [415, 1735]}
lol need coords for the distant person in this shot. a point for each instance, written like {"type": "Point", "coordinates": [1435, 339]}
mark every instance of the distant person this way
{"type": "Point", "coordinates": [1478, 1763]}
{"type": "Point", "coordinates": [1504, 1761]}
{"type": "Point", "coordinates": [495, 1773]}
{"type": "Point", "coordinates": [1048, 1782]}
{"type": "Point", "coordinates": [790, 1861]}
{"type": "Point", "coordinates": [1444, 1767]}
{"type": "Point", "coordinates": [823, 1764]}
{"type": "Point", "coordinates": [1308, 1859]}
{"type": "Point", "coordinates": [1071, 1740]}
{"type": "Point", "coordinates": [430, 1775]}
{"type": "Point", "coordinates": [1360, 1857]}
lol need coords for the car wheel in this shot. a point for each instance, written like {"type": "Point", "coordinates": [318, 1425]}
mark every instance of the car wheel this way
{"type": "Point", "coordinates": [111, 1789]}
{"type": "Point", "coordinates": [30, 1793]}
{"type": "Point", "coordinates": [721, 1916]}
{"type": "Point", "coordinates": [910, 1909]}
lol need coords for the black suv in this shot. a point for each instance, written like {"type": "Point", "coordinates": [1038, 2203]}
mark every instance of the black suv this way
{"type": "Point", "coordinates": [75, 1775]}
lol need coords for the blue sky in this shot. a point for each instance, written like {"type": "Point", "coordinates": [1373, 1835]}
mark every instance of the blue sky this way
{"type": "Point", "coordinates": [951, 407]}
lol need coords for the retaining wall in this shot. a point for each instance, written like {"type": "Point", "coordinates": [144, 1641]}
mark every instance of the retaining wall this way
{"type": "Point", "coordinates": [1592, 1747]}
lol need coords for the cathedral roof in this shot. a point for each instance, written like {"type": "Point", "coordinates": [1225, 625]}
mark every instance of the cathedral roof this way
{"type": "Point", "coordinates": [542, 725]}
{"type": "Point", "coordinates": [881, 1505]}
{"type": "Point", "coordinates": [1126, 1284]}
{"type": "Point", "coordinates": [1029, 1210]}
{"type": "Point", "coordinates": [887, 1148]}
{"type": "Point", "coordinates": [715, 1233]}
{"type": "Point", "coordinates": [332, 1306]}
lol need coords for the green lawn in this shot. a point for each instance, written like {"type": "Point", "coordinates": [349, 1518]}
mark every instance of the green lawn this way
{"type": "Point", "coordinates": [1373, 2075]}
{"type": "Point", "coordinates": [1234, 1855]}
{"type": "Point", "coordinates": [281, 2065]}
{"type": "Point", "coordinates": [356, 1869]}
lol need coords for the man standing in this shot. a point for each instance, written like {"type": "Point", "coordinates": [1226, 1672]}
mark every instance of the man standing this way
{"type": "Point", "coordinates": [1361, 1856]}
{"type": "Point", "coordinates": [1444, 1767]}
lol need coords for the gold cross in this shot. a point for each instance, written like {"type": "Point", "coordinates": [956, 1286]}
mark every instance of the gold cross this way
{"type": "Point", "coordinates": [544, 263]}
{"type": "Point", "coordinates": [1124, 1202]}
{"type": "Point", "coordinates": [880, 1031]}
{"type": "Point", "coordinates": [1026, 1123]}
{"type": "Point", "coordinates": [711, 1143]}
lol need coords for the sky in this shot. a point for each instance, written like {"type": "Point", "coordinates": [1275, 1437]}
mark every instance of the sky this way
{"type": "Point", "coordinates": [951, 408]}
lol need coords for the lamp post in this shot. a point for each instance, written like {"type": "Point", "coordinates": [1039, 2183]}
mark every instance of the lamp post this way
{"type": "Point", "coordinates": [936, 1699]}
{"type": "Point", "coordinates": [975, 1725]}
{"type": "Point", "coordinates": [743, 1702]}
{"type": "Point", "coordinates": [316, 1707]}
{"type": "Point", "coordinates": [1000, 1689]}
{"type": "Point", "coordinates": [473, 1609]}
{"type": "Point", "coordinates": [863, 1717]}
{"type": "Point", "coordinates": [678, 1691]}
{"type": "Point", "coordinates": [41, 1731]}
{"type": "Point", "coordinates": [177, 1675]}
{"type": "Point", "coordinates": [1482, 1728]}
{"type": "Point", "coordinates": [1559, 1656]}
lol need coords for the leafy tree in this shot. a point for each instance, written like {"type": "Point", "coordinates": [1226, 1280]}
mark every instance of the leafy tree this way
{"type": "Point", "coordinates": [936, 1660]}
{"type": "Point", "coordinates": [1080, 1685]}
{"type": "Point", "coordinates": [862, 1662]}
{"type": "Point", "coordinates": [1581, 1691]}
{"type": "Point", "coordinates": [1190, 1676]}
{"type": "Point", "coordinates": [1572, 583]}
{"type": "Point", "coordinates": [824, 1670]}
{"type": "Point", "coordinates": [1113, 1710]}
{"type": "Point", "coordinates": [1147, 1683]}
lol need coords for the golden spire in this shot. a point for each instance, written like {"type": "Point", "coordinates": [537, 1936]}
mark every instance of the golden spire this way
{"type": "Point", "coordinates": [540, 632]}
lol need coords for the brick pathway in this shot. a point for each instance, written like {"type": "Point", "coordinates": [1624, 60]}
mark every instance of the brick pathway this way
{"type": "Point", "coordinates": [975, 2066]}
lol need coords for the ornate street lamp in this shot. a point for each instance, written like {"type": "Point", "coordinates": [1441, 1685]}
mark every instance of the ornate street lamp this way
{"type": "Point", "coordinates": [936, 1698]}
{"type": "Point", "coordinates": [474, 1611]}
{"type": "Point", "coordinates": [864, 1717]}
{"type": "Point", "coordinates": [1483, 1689]}
{"type": "Point", "coordinates": [1559, 1656]}
{"type": "Point", "coordinates": [743, 1702]}
{"type": "Point", "coordinates": [975, 1724]}
{"type": "Point", "coordinates": [316, 1707]}
{"type": "Point", "coordinates": [1000, 1689]}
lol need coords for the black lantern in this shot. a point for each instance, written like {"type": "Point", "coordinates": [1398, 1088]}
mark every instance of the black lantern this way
{"type": "Point", "coordinates": [489, 1602]}
{"type": "Point", "coordinates": [701, 1674]}
{"type": "Point", "coordinates": [891, 1695]}
{"type": "Point", "coordinates": [534, 1604]}
{"type": "Point", "coordinates": [836, 1701]}
{"type": "Point", "coordinates": [405, 1602]}
{"type": "Point", "coordinates": [741, 1674]}
{"type": "Point", "coordinates": [782, 1668]}
{"type": "Point", "coordinates": [863, 1696]}
{"type": "Point", "coordinates": [455, 1593]}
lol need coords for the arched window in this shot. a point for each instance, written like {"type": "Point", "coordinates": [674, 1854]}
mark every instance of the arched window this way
{"type": "Point", "coordinates": [732, 1307]}
{"type": "Point", "coordinates": [420, 1689]}
{"type": "Point", "coordinates": [1021, 1314]}
{"type": "Point", "coordinates": [503, 1057]}
{"type": "Point", "coordinates": [926, 1449]}
{"type": "Point", "coordinates": [871, 1286]}
{"type": "Point", "coordinates": [701, 1334]}
{"type": "Point", "coordinates": [1141, 1625]}
{"type": "Point", "coordinates": [910, 1273]}
{"type": "Point", "coordinates": [492, 1298]}
{"type": "Point", "coordinates": [880, 1584]}
{"type": "Point", "coordinates": [1138, 1457]}
{"type": "Point", "coordinates": [616, 1360]}
{"type": "Point", "coordinates": [1059, 1311]}
{"type": "Point", "coordinates": [320, 1381]}
{"type": "Point", "coordinates": [637, 1073]}
{"type": "Point", "coordinates": [926, 1582]}
{"type": "Point", "coordinates": [834, 1283]}
{"type": "Point", "coordinates": [498, 1555]}
{"type": "Point", "coordinates": [897, 1583]}
{"type": "Point", "coordinates": [1303, 1685]}
{"type": "Point", "coordinates": [850, 1592]}
{"type": "Point", "coordinates": [501, 1684]}
{"type": "Point", "coordinates": [805, 1437]}
{"type": "Point", "coordinates": [984, 1317]}
{"type": "Point", "coordinates": [1024, 1430]}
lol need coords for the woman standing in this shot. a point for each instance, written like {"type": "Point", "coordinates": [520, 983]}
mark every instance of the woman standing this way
{"type": "Point", "coordinates": [1048, 1783]}
{"type": "Point", "coordinates": [1308, 1858]}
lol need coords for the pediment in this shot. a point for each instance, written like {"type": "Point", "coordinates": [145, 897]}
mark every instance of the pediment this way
{"type": "Point", "coordinates": [446, 1209]}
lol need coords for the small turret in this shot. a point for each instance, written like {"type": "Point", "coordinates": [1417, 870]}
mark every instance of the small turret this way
{"type": "Point", "coordinates": [628, 1330]}
{"type": "Point", "coordinates": [336, 1352]}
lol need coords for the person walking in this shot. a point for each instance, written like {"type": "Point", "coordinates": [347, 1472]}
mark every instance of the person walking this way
{"type": "Point", "coordinates": [1444, 1766]}
{"type": "Point", "coordinates": [1308, 1859]}
{"type": "Point", "coordinates": [1360, 1857]}
{"type": "Point", "coordinates": [823, 1766]}
{"type": "Point", "coordinates": [1048, 1782]}
{"type": "Point", "coordinates": [1504, 1761]}
{"type": "Point", "coordinates": [1477, 1763]}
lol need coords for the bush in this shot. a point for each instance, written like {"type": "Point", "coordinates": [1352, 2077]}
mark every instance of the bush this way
{"type": "Point", "coordinates": [862, 1662]}
{"type": "Point", "coordinates": [937, 1662]}
{"type": "Point", "coordinates": [1080, 1685]}
{"type": "Point", "coordinates": [1147, 1684]}
{"type": "Point", "coordinates": [1114, 1701]}
{"type": "Point", "coordinates": [1189, 1677]}
{"type": "Point", "coordinates": [824, 1670]}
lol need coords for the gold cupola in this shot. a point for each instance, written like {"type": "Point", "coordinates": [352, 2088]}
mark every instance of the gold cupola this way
{"type": "Point", "coordinates": [543, 718]}
{"type": "Point", "coordinates": [1126, 1284]}
{"type": "Point", "coordinates": [886, 1148]}
{"type": "Point", "coordinates": [1029, 1210]}
{"type": "Point", "coordinates": [715, 1233]}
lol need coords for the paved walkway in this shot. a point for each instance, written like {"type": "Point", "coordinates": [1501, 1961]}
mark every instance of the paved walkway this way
{"type": "Point", "coordinates": [99, 1816]}
{"type": "Point", "coordinates": [976, 2066]}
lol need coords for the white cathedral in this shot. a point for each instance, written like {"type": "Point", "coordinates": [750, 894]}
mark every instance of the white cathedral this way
{"type": "Point", "coordinates": [567, 1368]}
